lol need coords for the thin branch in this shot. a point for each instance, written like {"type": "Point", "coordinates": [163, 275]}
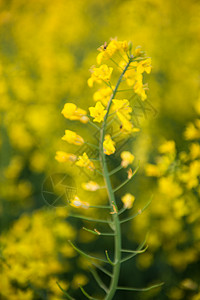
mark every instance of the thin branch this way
{"type": "Point", "coordinates": [100, 206]}
{"type": "Point", "coordinates": [98, 280]}
{"type": "Point", "coordinates": [134, 253]}
{"type": "Point", "coordinates": [125, 90]}
{"type": "Point", "coordinates": [86, 294]}
{"type": "Point", "coordinates": [138, 213]}
{"type": "Point", "coordinates": [126, 181]}
{"type": "Point", "coordinates": [102, 269]}
{"type": "Point", "coordinates": [96, 232]}
{"type": "Point", "coordinates": [124, 208]}
{"type": "Point", "coordinates": [89, 219]}
{"type": "Point", "coordinates": [115, 170]}
{"type": "Point", "coordinates": [140, 289]}
{"type": "Point", "coordinates": [92, 145]}
{"type": "Point", "coordinates": [108, 258]}
{"type": "Point", "coordinates": [116, 64]}
{"type": "Point", "coordinates": [85, 254]}
{"type": "Point", "coordinates": [91, 231]}
{"type": "Point", "coordinates": [93, 124]}
{"type": "Point", "coordinates": [64, 292]}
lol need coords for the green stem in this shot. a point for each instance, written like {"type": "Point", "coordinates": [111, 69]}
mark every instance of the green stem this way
{"type": "Point", "coordinates": [111, 196]}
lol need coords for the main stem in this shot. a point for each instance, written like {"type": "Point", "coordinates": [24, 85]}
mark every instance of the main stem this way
{"type": "Point", "coordinates": [111, 196]}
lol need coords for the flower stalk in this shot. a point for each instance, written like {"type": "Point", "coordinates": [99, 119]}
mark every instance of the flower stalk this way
{"type": "Point", "coordinates": [111, 196]}
{"type": "Point", "coordinates": [108, 107]}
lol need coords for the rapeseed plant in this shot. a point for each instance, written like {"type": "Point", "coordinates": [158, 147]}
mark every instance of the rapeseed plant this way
{"type": "Point", "coordinates": [108, 108]}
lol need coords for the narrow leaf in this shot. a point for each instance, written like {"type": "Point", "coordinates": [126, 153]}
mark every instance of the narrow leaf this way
{"type": "Point", "coordinates": [138, 213]}
{"type": "Point", "coordinates": [91, 231]}
{"type": "Point", "coordinates": [108, 258]}
{"type": "Point", "coordinates": [140, 289]}
{"type": "Point", "coordinates": [126, 181]}
{"type": "Point", "coordinates": [85, 254]}
{"type": "Point", "coordinates": [98, 280]}
{"type": "Point", "coordinates": [86, 294]}
{"type": "Point", "coordinates": [90, 219]}
{"type": "Point", "coordinates": [64, 292]}
{"type": "Point", "coordinates": [122, 210]}
{"type": "Point", "coordinates": [102, 269]}
{"type": "Point", "coordinates": [115, 170]}
{"type": "Point", "coordinates": [100, 206]}
{"type": "Point", "coordinates": [134, 253]}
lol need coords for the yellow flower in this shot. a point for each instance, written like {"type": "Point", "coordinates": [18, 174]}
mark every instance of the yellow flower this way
{"type": "Point", "coordinates": [72, 112]}
{"type": "Point", "coordinates": [122, 107]}
{"type": "Point", "coordinates": [192, 132]}
{"type": "Point", "coordinates": [140, 89]}
{"type": "Point", "coordinates": [194, 150]}
{"type": "Point", "coordinates": [72, 138]}
{"type": "Point", "coordinates": [191, 176]}
{"type": "Point", "coordinates": [107, 51]}
{"type": "Point", "coordinates": [98, 112]}
{"type": "Point", "coordinates": [152, 170]}
{"type": "Point", "coordinates": [138, 51]}
{"type": "Point", "coordinates": [108, 145]}
{"type": "Point", "coordinates": [103, 95]}
{"type": "Point", "coordinates": [85, 162]}
{"type": "Point", "coordinates": [131, 74]}
{"type": "Point", "coordinates": [127, 126]}
{"type": "Point", "coordinates": [103, 73]}
{"type": "Point", "coordinates": [90, 186]}
{"type": "Point", "coordinates": [62, 156]}
{"type": "Point", "coordinates": [76, 202]}
{"type": "Point", "coordinates": [128, 200]}
{"type": "Point", "coordinates": [167, 147]}
{"type": "Point", "coordinates": [144, 66]}
{"type": "Point", "coordinates": [127, 158]}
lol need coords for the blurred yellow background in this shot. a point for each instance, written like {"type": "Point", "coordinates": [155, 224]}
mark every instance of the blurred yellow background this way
{"type": "Point", "coordinates": [46, 50]}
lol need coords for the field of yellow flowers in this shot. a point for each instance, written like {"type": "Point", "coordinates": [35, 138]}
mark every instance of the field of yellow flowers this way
{"type": "Point", "coordinates": [47, 49]}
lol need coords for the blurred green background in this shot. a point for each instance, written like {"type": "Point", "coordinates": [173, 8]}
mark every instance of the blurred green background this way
{"type": "Point", "coordinates": [46, 50]}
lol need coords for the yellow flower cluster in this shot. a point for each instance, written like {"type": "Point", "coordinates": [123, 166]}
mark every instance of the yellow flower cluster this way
{"type": "Point", "coordinates": [103, 73]}
{"type": "Point", "coordinates": [107, 51]}
{"type": "Point", "coordinates": [108, 108]}
{"type": "Point", "coordinates": [30, 251]}
{"type": "Point", "coordinates": [103, 95]}
{"type": "Point", "coordinates": [177, 177]}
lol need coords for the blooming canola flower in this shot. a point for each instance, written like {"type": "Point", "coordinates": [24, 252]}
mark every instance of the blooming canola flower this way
{"type": "Point", "coordinates": [72, 112]}
{"type": "Point", "coordinates": [98, 112]}
{"type": "Point", "coordinates": [62, 156]}
{"type": "Point", "coordinates": [73, 138]}
{"type": "Point", "coordinates": [85, 162]}
{"type": "Point", "coordinates": [108, 145]}
{"type": "Point", "coordinates": [103, 73]}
